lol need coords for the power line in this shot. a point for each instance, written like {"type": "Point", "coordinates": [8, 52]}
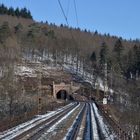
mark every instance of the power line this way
{"type": "Point", "coordinates": [76, 13]}
{"type": "Point", "coordinates": [68, 8]}
{"type": "Point", "coordinates": [66, 19]}
{"type": "Point", "coordinates": [63, 12]}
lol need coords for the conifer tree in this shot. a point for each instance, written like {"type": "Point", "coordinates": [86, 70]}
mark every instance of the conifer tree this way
{"type": "Point", "coordinates": [103, 53]}
{"type": "Point", "coordinates": [11, 11]}
{"type": "Point", "coordinates": [118, 49]}
{"type": "Point", "coordinates": [93, 57]}
{"type": "Point", "coordinates": [17, 12]}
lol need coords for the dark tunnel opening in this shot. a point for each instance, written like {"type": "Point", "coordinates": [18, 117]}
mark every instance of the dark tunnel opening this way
{"type": "Point", "coordinates": [62, 94]}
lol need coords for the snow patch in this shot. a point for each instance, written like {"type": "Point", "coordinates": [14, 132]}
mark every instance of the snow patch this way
{"type": "Point", "coordinates": [17, 130]}
{"type": "Point", "coordinates": [94, 125]}
{"type": "Point", "coordinates": [62, 119]}
{"type": "Point", "coordinates": [25, 71]}
{"type": "Point", "coordinates": [103, 126]}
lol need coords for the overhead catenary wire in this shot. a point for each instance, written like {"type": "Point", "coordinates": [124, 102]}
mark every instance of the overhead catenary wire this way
{"type": "Point", "coordinates": [63, 12]}
{"type": "Point", "coordinates": [65, 17]}
{"type": "Point", "coordinates": [75, 7]}
{"type": "Point", "coordinates": [68, 6]}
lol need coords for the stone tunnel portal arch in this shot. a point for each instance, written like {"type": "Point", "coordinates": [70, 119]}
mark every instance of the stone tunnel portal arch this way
{"type": "Point", "coordinates": [58, 90]}
{"type": "Point", "coordinates": [62, 94]}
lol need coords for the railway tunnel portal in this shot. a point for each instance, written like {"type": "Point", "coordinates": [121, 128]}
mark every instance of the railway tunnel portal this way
{"type": "Point", "coordinates": [64, 91]}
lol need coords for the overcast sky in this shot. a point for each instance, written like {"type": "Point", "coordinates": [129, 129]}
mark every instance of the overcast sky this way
{"type": "Point", "coordinates": [117, 17]}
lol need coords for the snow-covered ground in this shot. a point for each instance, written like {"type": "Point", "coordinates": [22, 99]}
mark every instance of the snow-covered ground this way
{"type": "Point", "coordinates": [73, 125]}
{"type": "Point", "coordinates": [62, 119]}
{"type": "Point", "coordinates": [108, 134]}
{"type": "Point", "coordinates": [69, 65]}
{"type": "Point", "coordinates": [94, 125]}
{"type": "Point", "coordinates": [53, 130]}
{"type": "Point", "coordinates": [15, 131]}
{"type": "Point", "coordinates": [25, 71]}
{"type": "Point", "coordinates": [88, 78]}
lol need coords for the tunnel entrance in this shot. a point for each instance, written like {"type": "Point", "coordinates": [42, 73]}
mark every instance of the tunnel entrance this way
{"type": "Point", "coordinates": [62, 94]}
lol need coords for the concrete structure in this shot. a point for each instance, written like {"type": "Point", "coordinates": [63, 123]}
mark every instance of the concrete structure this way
{"type": "Point", "coordinates": [68, 88]}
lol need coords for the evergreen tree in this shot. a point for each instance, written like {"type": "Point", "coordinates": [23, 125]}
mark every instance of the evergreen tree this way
{"type": "Point", "coordinates": [136, 51]}
{"type": "Point", "coordinates": [93, 57]}
{"type": "Point", "coordinates": [85, 30]}
{"type": "Point", "coordinates": [103, 54]}
{"type": "Point", "coordinates": [131, 64]}
{"type": "Point", "coordinates": [11, 11]}
{"type": "Point", "coordinates": [29, 15]}
{"type": "Point", "coordinates": [23, 12]}
{"type": "Point", "coordinates": [17, 12]}
{"type": "Point", "coordinates": [118, 49]}
{"type": "Point", "coordinates": [3, 9]}
{"type": "Point", "coordinates": [128, 64]}
{"type": "Point", "coordinates": [96, 32]}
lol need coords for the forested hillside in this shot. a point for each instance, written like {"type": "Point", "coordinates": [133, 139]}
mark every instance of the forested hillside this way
{"type": "Point", "coordinates": [25, 34]}
{"type": "Point", "coordinates": [15, 12]}
{"type": "Point", "coordinates": [23, 38]}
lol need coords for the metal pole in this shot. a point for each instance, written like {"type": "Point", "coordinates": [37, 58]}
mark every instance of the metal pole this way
{"type": "Point", "coordinates": [97, 89]}
{"type": "Point", "coordinates": [105, 81]}
{"type": "Point", "coordinates": [39, 90]}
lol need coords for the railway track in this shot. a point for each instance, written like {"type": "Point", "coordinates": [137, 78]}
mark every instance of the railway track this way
{"type": "Point", "coordinates": [94, 128]}
{"type": "Point", "coordinates": [37, 133]}
{"type": "Point", "coordinates": [26, 129]}
{"type": "Point", "coordinates": [75, 128]}
{"type": "Point", "coordinates": [72, 133]}
{"type": "Point", "coordinates": [88, 134]}
{"type": "Point", "coordinates": [72, 122]}
{"type": "Point", "coordinates": [104, 130]}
